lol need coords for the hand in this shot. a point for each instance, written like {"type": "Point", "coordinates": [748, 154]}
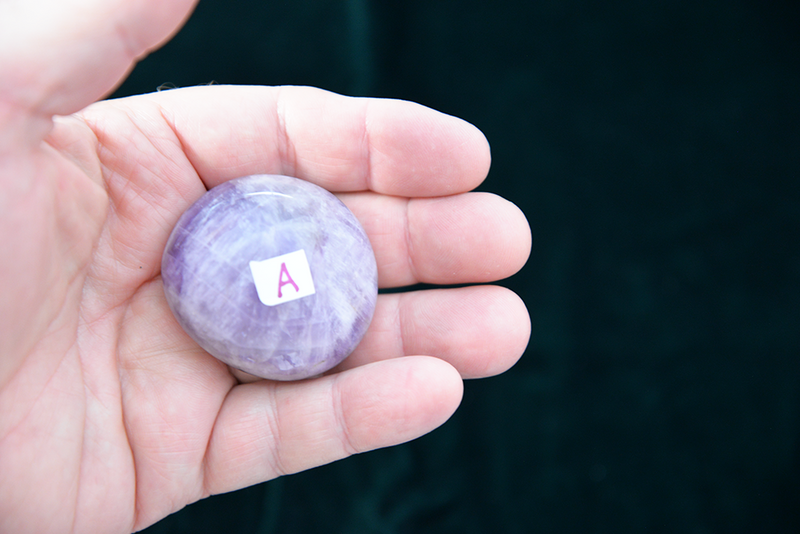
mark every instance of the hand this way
{"type": "Point", "coordinates": [110, 416]}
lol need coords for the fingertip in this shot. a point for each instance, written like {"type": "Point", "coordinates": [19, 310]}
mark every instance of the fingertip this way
{"type": "Point", "coordinates": [475, 152]}
{"type": "Point", "coordinates": [404, 398]}
{"type": "Point", "coordinates": [511, 235]}
{"type": "Point", "coordinates": [483, 153]}
{"type": "Point", "coordinates": [418, 151]}
{"type": "Point", "coordinates": [512, 323]}
{"type": "Point", "coordinates": [473, 238]}
{"type": "Point", "coordinates": [519, 233]}
{"type": "Point", "coordinates": [443, 382]}
{"type": "Point", "coordinates": [481, 330]}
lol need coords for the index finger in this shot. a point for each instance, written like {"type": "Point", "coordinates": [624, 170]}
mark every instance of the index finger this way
{"type": "Point", "coordinates": [340, 143]}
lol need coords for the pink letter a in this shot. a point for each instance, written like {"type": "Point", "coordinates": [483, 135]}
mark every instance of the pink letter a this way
{"type": "Point", "coordinates": [288, 280]}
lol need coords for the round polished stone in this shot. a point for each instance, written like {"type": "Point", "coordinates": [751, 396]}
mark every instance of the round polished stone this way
{"type": "Point", "coordinates": [271, 275]}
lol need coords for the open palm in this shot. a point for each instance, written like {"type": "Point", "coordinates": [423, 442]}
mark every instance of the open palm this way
{"type": "Point", "coordinates": [110, 416]}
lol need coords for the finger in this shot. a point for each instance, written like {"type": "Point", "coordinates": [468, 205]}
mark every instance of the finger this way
{"type": "Point", "coordinates": [268, 429]}
{"type": "Point", "coordinates": [469, 238]}
{"type": "Point", "coordinates": [59, 56]}
{"type": "Point", "coordinates": [340, 143]}
{"type": "Point", "coordinates": [152, 148]}
{"type": "Point", "coordinates": [481, 331]}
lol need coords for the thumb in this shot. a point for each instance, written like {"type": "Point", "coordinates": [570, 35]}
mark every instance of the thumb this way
{"type": "Point", "coordinates": [58, 56]}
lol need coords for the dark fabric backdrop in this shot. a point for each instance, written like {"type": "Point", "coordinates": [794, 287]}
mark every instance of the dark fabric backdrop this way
{"type": "Point", "coordinates": [655, 148]}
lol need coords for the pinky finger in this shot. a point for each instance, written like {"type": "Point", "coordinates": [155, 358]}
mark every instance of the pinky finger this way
{"type": "Point", "coordinates": [267, 429]}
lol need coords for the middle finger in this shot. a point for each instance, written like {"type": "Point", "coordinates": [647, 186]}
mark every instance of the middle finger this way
{"type": "Point", "coordinates": [466, 238]}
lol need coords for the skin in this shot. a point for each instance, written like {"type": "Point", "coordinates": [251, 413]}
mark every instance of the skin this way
{"type": "Point", "coordinates": [111, 417]}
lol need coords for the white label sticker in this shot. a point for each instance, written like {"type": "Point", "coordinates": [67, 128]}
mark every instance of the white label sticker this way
{"type": "Point", "coordinates": [283, 278]}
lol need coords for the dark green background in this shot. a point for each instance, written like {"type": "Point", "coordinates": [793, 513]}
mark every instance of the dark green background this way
{"type": "Point", "coordinates": [655, 148]}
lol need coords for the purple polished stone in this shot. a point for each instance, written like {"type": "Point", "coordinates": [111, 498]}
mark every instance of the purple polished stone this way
{"type": "Point", "coordinates": [272, 275]}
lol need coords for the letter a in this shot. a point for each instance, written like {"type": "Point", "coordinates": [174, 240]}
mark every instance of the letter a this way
{"type": "Point", "coordinates": [288, 280]}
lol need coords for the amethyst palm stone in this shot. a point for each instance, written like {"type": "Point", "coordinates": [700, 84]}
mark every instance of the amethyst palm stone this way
{"type": "Point", "coordinates": [271, 275]}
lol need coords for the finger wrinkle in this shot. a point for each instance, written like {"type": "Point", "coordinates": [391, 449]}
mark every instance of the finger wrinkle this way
{"type": "Point", "coordinates": [406, 327]}
{"type": "Point", "coordinates": [287, 152]}
{"type": "Point", "coordinates": [273, 422]}
{"type": "Point", "coordinates": [132, 48]}
{"type": "Point", "coordinates": [409, 242]}
{"type": "Point", "coordinates": [343, 432]}
{"type": "Point", "coordinates": [366, 150]}
{"type": "Point", "coordinates": [170, 122]}
{"type": "Point", "coordinates": [401, 323]}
